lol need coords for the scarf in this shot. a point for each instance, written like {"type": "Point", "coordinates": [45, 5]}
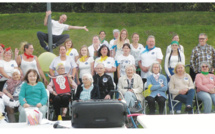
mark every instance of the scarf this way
{"type": "Point", "coordinates": [68, 52]}
{"type": "Point", "coordinates": [204, 73]}
{"type": "Point", "coordinates": [103, 58]}
{"type": "Point", "coordinates": [147, 49]}
{"type": "Point", "coordinates": [12, 84]}
{"type": "Point", "coordinates": [28, 56]}
{"type": "Point", "coordinates": [83, 58]}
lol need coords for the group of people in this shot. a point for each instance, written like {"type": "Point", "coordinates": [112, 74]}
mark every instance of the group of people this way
{"type": "Point", "coordinates": [95, 70]}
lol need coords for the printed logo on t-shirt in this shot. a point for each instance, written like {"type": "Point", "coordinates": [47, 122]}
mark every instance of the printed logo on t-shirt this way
{"type": "Point", "coordinates": [185, 78]}
{"type": "Point", "coordinates": [71, 54]}
{"type": "Point", "coordinates": [86, 63]}
{"type": "Point", "coordinates": [153, 53]}
{"type": "Point", "coordinates": [108, 62]}
{"type": "Point", "coordinates": [126, 61]}
{"type": "Point", "coordinates": [12, 65]}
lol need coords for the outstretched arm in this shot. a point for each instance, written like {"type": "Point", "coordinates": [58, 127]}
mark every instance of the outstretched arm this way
{"type": "Point", "coordinates": [46, 17]}
{"type": "Point", "coordinates": [78, 27]}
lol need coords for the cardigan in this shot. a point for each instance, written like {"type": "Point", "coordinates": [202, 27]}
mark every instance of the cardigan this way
{"type": "Point", "coordinates": [156, 88]}
{"type": "Point", "coordinates": [33, 94]}
{"type": "Point", "coordinates": [204, 83]}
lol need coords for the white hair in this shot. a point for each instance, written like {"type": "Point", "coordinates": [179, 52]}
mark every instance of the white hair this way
{"type": "Point", "coordinates": [151, 36]}
{"type": "Point", "coordinates": [156, 62]}
{"type": "Point", "coordinates": [100, 64]}
{"type": "Point", "coordinates": [89, 76]}
{"type": "Point", "coordinates": [16, 70]}
{"type": "Point", "coordinates": [116, 30]}
{"type": "Point", "coordinates": [130, 66]}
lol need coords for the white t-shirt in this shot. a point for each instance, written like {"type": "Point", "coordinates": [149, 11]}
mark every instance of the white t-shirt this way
{"type": "Point", "coordinates": [173, 61]}
{"type": "Point", "coordinates": [123, 61]}
{"type": "Point", "coordinates": [58, 28]}
{"type": "Point", "coordinates": [69, 63]}
{"type": "Point", "coordinates": [169, 48]}
{"type": "Point", "coordinates": [73, 53]}
{"type": "Point", "coordinates": [8, 68]}
{"type": "Point", "coordinates": [108, 63]}
{"type": "Point", "coordinates": [148, 58]}
{"type": "Point", "coordinates": [111, 43]}
{"type": "Point", "coordinates": [106, 43]}
{"type": "Point", "coordinates": [91, 50]}
{"type": "Point", "coordinates": [136, 52]}
{"type": "Point", "coordinates": [85, 67]}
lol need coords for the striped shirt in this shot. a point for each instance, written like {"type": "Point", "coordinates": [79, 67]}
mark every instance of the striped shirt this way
{"type": "Point", "coordinates": [199, 55]}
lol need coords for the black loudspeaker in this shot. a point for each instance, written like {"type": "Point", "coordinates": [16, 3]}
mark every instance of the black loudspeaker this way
{"type": "Point", "coordinates": [99, 114]}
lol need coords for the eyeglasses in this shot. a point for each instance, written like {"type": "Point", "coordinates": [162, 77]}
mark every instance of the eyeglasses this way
{"type": "Point", "coordinates": [204, 66]}
{"type": "Point", "coordinates": [61, 68]}
{"type": "Point", "coordinates": [99, 68]}
{"type": "Point", "coordinates": [201, 38]}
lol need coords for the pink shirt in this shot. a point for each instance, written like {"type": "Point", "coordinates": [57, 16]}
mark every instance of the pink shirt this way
{"type": "Point", "coordinates": [204, 83]}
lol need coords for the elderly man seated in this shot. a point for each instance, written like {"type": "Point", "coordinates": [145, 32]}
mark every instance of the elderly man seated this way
{"type": "Point", "coordinates": [131, 86]}
{"type": "Point", "coordinates": [103, 81]}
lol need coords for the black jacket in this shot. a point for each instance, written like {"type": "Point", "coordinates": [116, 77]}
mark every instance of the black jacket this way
{"type": "Point", "coordinates": [105, 84]}
{"type": "Point", "coordinates": [94, 93]}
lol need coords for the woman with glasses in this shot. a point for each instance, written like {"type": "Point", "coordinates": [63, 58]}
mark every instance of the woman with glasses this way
{"type": "Point", "coordinates": [205, 83]}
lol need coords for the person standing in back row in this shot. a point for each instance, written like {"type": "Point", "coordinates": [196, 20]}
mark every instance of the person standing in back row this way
{"type": "Point", "coordinates": [57, 29]}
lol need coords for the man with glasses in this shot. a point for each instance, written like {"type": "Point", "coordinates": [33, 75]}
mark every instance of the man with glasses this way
{"type": "Point", "coordinates": [103, 81]}
{"type": "Point", "coordinates": [201, 53]}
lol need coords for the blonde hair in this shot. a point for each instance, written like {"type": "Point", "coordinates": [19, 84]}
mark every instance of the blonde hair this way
{"type": "Point", "coordinates": [119, 40]}
{"type": "Point", "coordinates": [24, 45]}
{"type": "Point", "coordinates": [179, 63]}
{"type": "Point", "coordinates": [58, 65]}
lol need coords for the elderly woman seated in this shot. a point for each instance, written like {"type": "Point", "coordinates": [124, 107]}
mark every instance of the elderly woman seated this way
{"type": "Point", "coordinates": [60, 100]}
{"type": "Point", "coordinates": [158, 83]}
{"type": "Point", "coordinates": [131, 86]}
{"type": "Point", "coordinates": [181, 87]}
{"type": "Point", "coordinates": [103, 81]}
{"type": "Point", "coordinates": [205, 84]}
{"type": "Point", "coordinates": [87, 90]}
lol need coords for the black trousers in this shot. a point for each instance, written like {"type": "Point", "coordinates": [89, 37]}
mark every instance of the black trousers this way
{"type": "Point", "coordinates": [57, 39]}
{"type": "Point", "coordinates": [2, 84]}
{"type": "Point", "coordinates": [151, 102]}
{"type": "Point", "coordinates": [60, 101]}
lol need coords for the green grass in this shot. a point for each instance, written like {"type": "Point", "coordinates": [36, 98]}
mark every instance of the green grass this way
{"type": "Point", "coordinates": [16, 28]}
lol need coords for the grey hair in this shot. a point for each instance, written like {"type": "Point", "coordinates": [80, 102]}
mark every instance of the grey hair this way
{"type": "Point", "coordinates": [156, 62]}
{"type": "Point", "coordinates": [116, 30]}
{"type": "Point", "coordinates": [132, 66]}
{"type": "Point", "coordinates": [100, 64]}
{"type": "Point", "coordinates": [204, 34]}
{"type": "Point", "coordinates": [206, 63]}
{"type": "Point", "coordinates": [151, 36]}
{"type": "Point", "coordinates": [89, 76]}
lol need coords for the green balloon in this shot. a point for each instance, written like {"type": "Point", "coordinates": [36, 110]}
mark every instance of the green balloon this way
{"type": "Point", "coordinates": [45, 59]}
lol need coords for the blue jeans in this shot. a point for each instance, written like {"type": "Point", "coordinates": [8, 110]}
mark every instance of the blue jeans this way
{"type": "Point", "coordinates": [207, 100]}
{"type": "Point", "coordinates": [130, 99]}
{"type": "Point", "coordinates": [187, 98]}
{"type": "Point", "coordinates": [178, 106]}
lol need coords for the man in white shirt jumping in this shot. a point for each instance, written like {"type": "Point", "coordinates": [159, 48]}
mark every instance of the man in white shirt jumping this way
{"type": "Point", "coordinates": [57, 29]}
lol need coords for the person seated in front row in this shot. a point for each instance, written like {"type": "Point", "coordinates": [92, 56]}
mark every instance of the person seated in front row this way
{"type": "Point", "coordinates": [32, 94]}
{"type": "Point", "coordinates": [103, 81]}
{"type": "Point", "coordinates": [205, 83]}
{"type": "Point", "coordinates": [87, 90]}
{"type": "Point", "coordinates": [12, 89]}
{"type": "Point", "coordinates": [131, 86]}
{"type": "Point", "coordinates": [5, 101]}
{"type": "Point", "coordinates": [181, 87]}
{"type": "Point", "coordinates": [60, 100]}
{"type": "Point", "coordinates": [158, 88]}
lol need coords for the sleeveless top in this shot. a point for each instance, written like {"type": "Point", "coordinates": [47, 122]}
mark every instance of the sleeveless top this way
{"type": "Point", "coordinates": [26, 65]}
